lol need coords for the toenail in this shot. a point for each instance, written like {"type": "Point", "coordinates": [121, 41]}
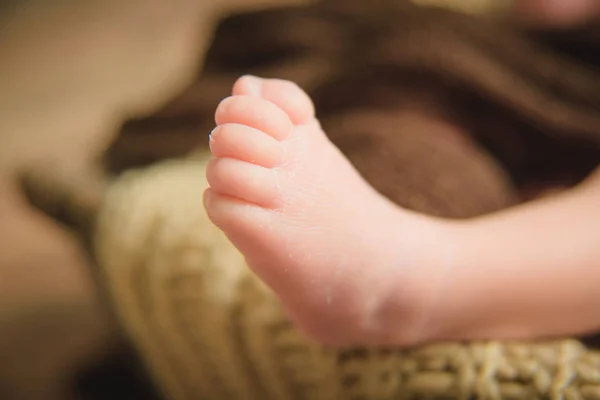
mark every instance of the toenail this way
{"type": "Point", "coordinates": [222, 105]}
{"type": "Point", "coordinates": [214, 131]}
{"type": "Point", "coordinates": [253, 84]}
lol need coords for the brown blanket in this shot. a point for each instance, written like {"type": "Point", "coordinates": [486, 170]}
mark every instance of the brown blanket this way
{"type": "Point", "coordinates": [443, 112]}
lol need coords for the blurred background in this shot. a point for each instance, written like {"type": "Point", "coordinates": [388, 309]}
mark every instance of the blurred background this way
{"type": "Point", "coordinates": [71, 72]}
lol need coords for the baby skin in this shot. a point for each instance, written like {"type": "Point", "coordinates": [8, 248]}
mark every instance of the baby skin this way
{"type": "Point", "coordinates": [352, 268]}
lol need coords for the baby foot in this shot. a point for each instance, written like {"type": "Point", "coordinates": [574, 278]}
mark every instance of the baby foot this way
{"type": "Point", "coordinates": [348, 265]}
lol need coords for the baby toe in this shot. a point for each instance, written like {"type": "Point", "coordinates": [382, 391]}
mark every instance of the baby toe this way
{"type": "Point", "coordinates": [287, 95]}
{"type": "Point", "coordinates": [245, 181]}
{"type": "Point", "coordinates": [256, 113]}
{"type": "Point", "coordinates": [246, 144]}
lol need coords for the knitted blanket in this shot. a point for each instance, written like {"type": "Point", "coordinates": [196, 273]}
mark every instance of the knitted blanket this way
{"type": "Point", "coordinates": [442, 112]}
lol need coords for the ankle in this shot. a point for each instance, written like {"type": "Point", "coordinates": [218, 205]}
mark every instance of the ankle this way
{"type": "Point", "coordinates": [407, 314]}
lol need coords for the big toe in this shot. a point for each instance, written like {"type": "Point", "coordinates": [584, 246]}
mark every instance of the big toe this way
{"type": "Point", "coordinates": [288, 96]}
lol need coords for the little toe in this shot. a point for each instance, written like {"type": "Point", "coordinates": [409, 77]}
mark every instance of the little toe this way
{"type": "Point", "coordinates": [245, 181]}
{"type": "Point", "coordinates": [285, 94]}
{"type": "Point", "coordinates": [256, 113]}
{"type": "Point", "coordinates": [246, 144]}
